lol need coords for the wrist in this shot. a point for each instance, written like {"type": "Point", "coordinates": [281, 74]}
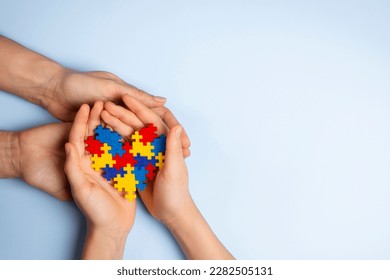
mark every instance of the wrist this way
{"type": "Point", "coordinates": [195, 236]}
{"type": "Point", "coordinates": [51, 79]}
{"type": "Point", "coordinates": [104, 244]}
{"type": "Point", "coordinates": [183, 218]}
{"type": "Point", "coordinates": [118, 235]}
{"type": "Point", "coordinates": [10, 166]}
{"type": "Point", "coordinates": [26, 73]}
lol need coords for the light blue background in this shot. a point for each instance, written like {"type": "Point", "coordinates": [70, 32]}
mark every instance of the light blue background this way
{"type": "Point", "coordinates": [287, 104]}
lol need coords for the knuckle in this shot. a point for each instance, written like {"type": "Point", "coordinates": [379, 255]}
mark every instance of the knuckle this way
{"type": "Point", "coordinates": [139, 93]}
{"type": "Point", "coordinates": [109, 75]}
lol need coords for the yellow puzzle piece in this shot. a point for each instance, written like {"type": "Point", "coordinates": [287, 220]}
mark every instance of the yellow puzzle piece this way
{"type": "Point", "coordinates": [101, 162]}
{"type": "Point", "coordinates": [127, 183]}
{"type": "Point", "coordinates": [140, 148]}
{"type": "Point", "coordinates": [160, 160]}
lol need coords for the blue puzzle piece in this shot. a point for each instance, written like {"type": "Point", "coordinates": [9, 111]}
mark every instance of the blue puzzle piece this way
{"type": "Point", "coordinates": [140, 176]}
{"type": "Point", "coordinates": [141, 186]}
{"type": "Point", "coordinates": [112, 172]}
{"type": "Point", "coordinates": [112, 138]}
{"type": "Point", "coordinates": [159, 144]}
{"type": "Point", "coordinates": [116, 151]}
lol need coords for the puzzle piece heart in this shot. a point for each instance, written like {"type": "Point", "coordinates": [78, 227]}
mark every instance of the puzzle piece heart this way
{"type": "Point", "coordinates": [131, 165]}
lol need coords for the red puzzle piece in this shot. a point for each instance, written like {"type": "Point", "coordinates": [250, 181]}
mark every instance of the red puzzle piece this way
{"type": "Point", "coordinates": [126, 158]}
{"type": "Point", "coordinates": [148, 133]}
{"type": "Point", "coordinates": [151, 172]}
{"type": "Point", "coordinates": [94, 146]}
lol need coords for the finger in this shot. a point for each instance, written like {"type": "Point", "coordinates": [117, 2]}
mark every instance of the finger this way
{"type": "Point", "coordinates": [125, 116]}
{"type": "Point", "coordinates": [117, 125]}
{"type": "Point", "coordinates": [94, 117]}
{"type": "Point", "coordinates": [145, 114]}
{"type": "Point", "coordinates": [77, 133]}
{"type": "Point", "coordinates": [186, 153]}
{"type": "Point", "coordinates": [109, 127]}
{"type": "Point", "coordinates": [174, 152]}
{"type": "Point", "coordinates": [147, 198]}
{"type": "Point", "coordinates": [142, 96]}
{"type": "Point", "coordinates": [122, 88]}
{"type": "Point", "coordinates": [169, 119]}
{"type": "Point", "coordinates": [72, 166]}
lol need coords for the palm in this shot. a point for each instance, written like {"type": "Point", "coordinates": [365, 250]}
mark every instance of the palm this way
{"type": "Point", "coordinates": [104, 207]}
{"type": "Point", "coordinates": [100, 201]}
{"type": "Point", "coordinates": [164, 197]}
{"type": "Point", "coordinates": [43, 158]}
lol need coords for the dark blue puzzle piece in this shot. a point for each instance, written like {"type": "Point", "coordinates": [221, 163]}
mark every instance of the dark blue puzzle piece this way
{"type": "Point", "coordinates": [142, 161]}
{"type": "Point", "coordinates": [111, 172]}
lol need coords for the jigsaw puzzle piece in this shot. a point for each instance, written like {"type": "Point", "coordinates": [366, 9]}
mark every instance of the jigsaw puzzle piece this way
{"type": "Point", "coordinates": [159, 144]}
{"type": "Point", "coordinates": [105, 135]}
{"type": "Point", "coordinates": [136, 137]}
{"type": "Point", "coordinates": [126, 158]}
{"type": "Point", "coordinates": [151, 175]}
{"type": "Point", "coordinates": [143, 150]}
{"type": "Point", "coordinates": [130, 196]}
{"type": "Point", "coordinates": [140, 176]}
{"type": "Point", "coordinates": [94, 147]}
{"type": "Point", "coordinates": [131, 165]}
{"type": "Point", "coordinates": [117, 151]}
{"type": "Point", "coordinates": [127, 183]}
{"type": "Point", "coordinates": [99, 162]}
{"type": "Point", "coordinates": [142, 161]}
{"type": "Point", "coordinates": [111, 172]}
{"type": "Point", "coordinates": [148, 133]}
{"type": "Point", "coordinates": [160, 160]}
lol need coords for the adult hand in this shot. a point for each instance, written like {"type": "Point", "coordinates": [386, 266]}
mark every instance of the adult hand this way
{"type": "Point", "coordinates": [41, 158]}
{"type": "Point", "coordinates": [61, 91]}
{"type": "Point", "coordinates": [71, 89]}
{"type": "Point", "coordinates": [109, 215]}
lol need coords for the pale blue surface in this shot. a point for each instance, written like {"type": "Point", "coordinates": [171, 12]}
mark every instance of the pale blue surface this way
{"type": "Point", "coordinates": [287, 104]}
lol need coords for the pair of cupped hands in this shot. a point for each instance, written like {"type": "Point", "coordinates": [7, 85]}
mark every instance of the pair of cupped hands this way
{"type": "Point", "coordinates": [53, 158]}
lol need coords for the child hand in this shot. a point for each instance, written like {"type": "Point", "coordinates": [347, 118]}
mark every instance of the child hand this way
{"type": "Point", "coordinates": [109, 215]}
{"type": "Point", "coordinates": [167, 198]}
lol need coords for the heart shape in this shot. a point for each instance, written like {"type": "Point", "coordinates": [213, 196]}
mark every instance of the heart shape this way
{"type": "Point", "coordinates": [130, 164]}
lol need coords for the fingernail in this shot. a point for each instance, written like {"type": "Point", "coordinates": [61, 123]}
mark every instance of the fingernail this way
{"type": "Point", "coordinates": [178, 131]}
{"type": "Point", "coordinates": [159, 98]}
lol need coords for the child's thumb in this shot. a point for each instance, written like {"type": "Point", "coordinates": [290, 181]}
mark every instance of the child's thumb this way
{"type": "Point", "coordinates": [72, 167]}
{"type": "Point", "coordinates": [70, 158]}
{"type": "Point", "coordinates": [174, 150]}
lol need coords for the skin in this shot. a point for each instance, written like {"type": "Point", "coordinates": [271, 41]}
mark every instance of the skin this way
{"type": "Point", "coordinates": [168, 198]}
{"type": "Point", "coordinates": [37, 156]}
{"type": "Point", "coordinates": [109, 215]}
{"type": "Point", "coordinates": [61, 91]}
